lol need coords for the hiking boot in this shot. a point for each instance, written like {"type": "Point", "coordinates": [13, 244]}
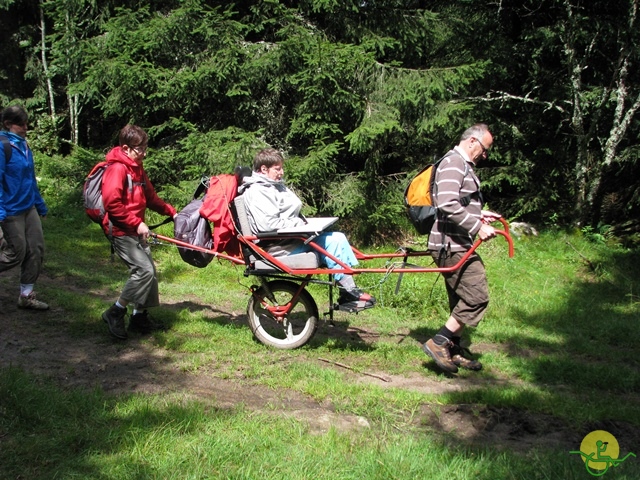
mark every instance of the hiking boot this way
{"type": "Point", "coordinates": [441, 355]}
{"type": "Point", "coordinates": [31, 303]}
{"type": "Point", "coordinates": [462, 357]}
{"type": "Point", "coordinates": [143, 323]}
{"type": "Point", "coordinates": [114, 318]}
{"type": "Point", "coordinates": [355, 299]}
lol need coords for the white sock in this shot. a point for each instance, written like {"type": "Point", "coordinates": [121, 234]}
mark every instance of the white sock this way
{"type": "Point", "coordinates": [347, 282]}
{"type": "Point", "coordinates": [26, 289]}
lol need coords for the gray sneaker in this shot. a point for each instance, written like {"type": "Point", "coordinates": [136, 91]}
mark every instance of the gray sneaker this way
{"type": "Point", "coordinates": [31, 303]}
{"type": "Point", "coordinates": [114, 318]}
{"type": "Point", "coordinates": [441, 355]}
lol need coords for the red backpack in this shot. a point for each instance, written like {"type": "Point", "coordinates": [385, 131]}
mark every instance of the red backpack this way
{"type": "Point", "coordinates": [215, 208]}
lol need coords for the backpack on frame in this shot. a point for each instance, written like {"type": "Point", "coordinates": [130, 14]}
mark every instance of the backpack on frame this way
{"type": "Point", "coordinates": [192, 228]}
{"type": "Point", "coordinates": [193, 224]}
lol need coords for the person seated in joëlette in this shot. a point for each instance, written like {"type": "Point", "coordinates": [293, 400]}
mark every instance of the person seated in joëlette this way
{"type": "Point", "coordinates": [271, 206]}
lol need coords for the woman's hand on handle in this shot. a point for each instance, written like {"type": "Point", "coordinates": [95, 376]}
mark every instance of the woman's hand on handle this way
{"type": "Point", "coordinates": [143, 230]}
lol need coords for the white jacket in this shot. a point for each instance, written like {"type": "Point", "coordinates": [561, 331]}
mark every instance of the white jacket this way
{"type": "Point", "coordinates": [270, 204]}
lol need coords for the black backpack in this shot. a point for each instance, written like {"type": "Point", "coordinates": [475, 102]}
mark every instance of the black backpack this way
{"type": "Point", "coordinates": [7, 148]}
{"type": "Point", "coordinates": [192, 228]}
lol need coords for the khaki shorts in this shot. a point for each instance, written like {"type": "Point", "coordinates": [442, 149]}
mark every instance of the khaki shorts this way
{"type": "Point", "coordinates": [467, 287]}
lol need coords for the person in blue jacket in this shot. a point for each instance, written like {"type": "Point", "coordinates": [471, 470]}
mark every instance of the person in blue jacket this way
{"type": "Point", "coordinates": [21, 206]}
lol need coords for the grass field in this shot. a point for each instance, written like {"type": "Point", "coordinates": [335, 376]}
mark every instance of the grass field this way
{"type": "Point", "coordinates": [558, 344]}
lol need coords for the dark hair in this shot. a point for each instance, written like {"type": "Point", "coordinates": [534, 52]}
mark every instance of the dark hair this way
{"type": "Point", "coordinates": [14, 115]}
{"type": "Point", "coordinates": [268, 157]}
{"type": "Point", "coordinates": [133, 136]}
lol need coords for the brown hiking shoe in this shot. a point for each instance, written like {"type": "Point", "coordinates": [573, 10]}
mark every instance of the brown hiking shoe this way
{"type": "Point", "coordinates": [31, 303]}
{"type": "Point", "coordinates": [462, 357]}
{"type": "Point", "coordinates": [441, 355]}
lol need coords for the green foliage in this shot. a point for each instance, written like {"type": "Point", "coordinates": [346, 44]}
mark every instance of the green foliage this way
{"type": "Point", "coordinates": [573, 376]}
{"type": "Point", "coordinates": [61, 179]}
{"type": "Point", "coordinates": [153, 65]}
{"type": "Point", "coordinates": [43, 135]}
{"type": "Point", "coordinates": [200, 155]}
{"type": "Point", "coordinates": [348, 88]}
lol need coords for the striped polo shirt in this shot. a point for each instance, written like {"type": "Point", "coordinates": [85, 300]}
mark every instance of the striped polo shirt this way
{"type": "Point", "coordinates": [454, 180]}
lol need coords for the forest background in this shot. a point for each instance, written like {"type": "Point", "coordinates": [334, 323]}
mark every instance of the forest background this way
{"type": "Point", "coordinates": [359, 94]}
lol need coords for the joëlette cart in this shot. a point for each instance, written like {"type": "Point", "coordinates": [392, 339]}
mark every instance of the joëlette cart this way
{"type": "Point", "coordinates": [281, 312]}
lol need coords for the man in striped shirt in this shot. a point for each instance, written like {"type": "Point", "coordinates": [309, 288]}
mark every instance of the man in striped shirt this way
{"type": "Point", "coordinates": [460, 219]}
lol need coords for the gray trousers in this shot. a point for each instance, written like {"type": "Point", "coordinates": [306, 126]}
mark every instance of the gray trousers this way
{"type": "Point", "coordinates": [23, 244]}
{"type": "Point", "coordinates": [141, 288]}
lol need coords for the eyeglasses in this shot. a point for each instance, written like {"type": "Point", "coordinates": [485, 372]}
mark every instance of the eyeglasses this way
{"type": "Point", "coordinates": [485, 150]}
{"type": "Point", "coordinates": [140, 149]}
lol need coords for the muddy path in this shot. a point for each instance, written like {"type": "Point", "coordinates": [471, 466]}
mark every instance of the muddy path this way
{"type": "Point", "coordinates": [43, 344]}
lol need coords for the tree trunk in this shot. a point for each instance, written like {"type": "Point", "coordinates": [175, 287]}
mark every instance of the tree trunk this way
{"type": "Point", "coordinates": [45, 67]}
{"type": "Point", "coordinates": [575, 68]}
{"type": "Point", "coordinates": [74, 113]}
{"type": "Point", "coordinates": [622, 118]}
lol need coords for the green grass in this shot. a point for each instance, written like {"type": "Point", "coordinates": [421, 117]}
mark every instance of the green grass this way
{"type": "Point", "coordinates": [51, 434]}
{"type": "Point", "coordinates": [559, 339]}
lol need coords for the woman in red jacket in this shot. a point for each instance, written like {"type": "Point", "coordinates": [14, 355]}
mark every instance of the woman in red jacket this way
{"type": "Point", "coordinates": [126, 194]}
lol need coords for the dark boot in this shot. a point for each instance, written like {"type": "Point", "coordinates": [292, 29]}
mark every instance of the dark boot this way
{"type": "Point", "coordinates": [114, 318]}
{"type": "Point", "coordinates": [144, 323]}
{"type": "Point", "coordinates": [355, 299]}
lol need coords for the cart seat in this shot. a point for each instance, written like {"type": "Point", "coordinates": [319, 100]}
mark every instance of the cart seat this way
{"type": "Point", "coordinates": [306, 260]}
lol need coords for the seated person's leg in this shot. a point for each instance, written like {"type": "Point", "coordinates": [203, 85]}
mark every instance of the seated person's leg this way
{"type": "Point", "coordinates": [336, 244]}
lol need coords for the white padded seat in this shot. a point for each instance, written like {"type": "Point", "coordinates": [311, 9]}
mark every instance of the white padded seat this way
{"type": "Point", "coordinates": [297, 261]}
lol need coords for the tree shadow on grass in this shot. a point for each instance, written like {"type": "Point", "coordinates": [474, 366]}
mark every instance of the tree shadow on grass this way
{"type": "Point", "coordinates": [340, 335]}
{"type": "Point", "coordinates": [576, 357]}
{"type": "Point", "coordinates": [104, 429]}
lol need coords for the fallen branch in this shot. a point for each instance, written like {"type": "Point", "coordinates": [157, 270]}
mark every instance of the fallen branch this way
{"type": "Point", "coordinates": [591, 265]}
{"type": "Point", "coordinates": [379, 377]}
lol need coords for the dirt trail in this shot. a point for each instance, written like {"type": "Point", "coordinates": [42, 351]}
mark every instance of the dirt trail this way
{"type": "Point", "coordinates": [43, 343]}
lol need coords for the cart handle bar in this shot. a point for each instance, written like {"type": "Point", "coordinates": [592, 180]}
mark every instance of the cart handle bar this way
{"type": "Point", "coordinates": [465, 257]}
{"type": "Point", "coordinates": [236, 260]}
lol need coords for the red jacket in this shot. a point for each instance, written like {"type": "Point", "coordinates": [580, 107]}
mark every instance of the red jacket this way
{"type": "Point", "coordinates": [125, 201]}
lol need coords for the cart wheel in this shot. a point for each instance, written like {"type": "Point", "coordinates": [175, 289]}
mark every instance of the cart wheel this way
{"type": "Point", "coordinates": [292, 331]}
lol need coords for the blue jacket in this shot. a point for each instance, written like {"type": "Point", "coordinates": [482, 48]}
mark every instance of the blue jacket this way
{"type": "Point", "coordinates": [19, 188]}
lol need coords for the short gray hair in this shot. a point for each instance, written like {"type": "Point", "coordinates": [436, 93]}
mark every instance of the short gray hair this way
{"type": "Point", "coordinates": [477, 131]}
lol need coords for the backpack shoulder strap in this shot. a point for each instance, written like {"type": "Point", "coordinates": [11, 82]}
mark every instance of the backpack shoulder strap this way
{"type": "Point", "coordinates": [7, 147]}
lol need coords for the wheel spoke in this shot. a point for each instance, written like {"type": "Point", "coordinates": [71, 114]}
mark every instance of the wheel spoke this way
{"type": "Point", "coordinates": [298, 325]}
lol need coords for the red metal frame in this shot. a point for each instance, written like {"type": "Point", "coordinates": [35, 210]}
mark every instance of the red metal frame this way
{"type": "Point", "coordinates": [248, 241]}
